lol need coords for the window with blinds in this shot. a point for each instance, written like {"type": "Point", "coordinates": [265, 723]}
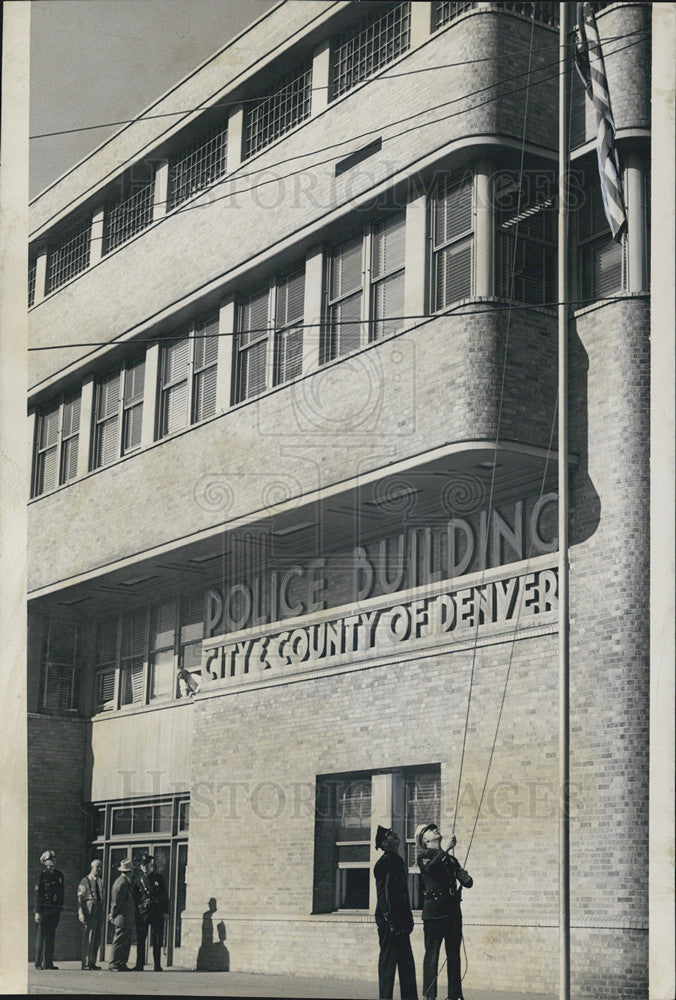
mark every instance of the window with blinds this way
{"type": "Point", "coordinates": [118, 412]}
{"type": "Point", "coordinates": [189, 374]}
{"type": "Point", "coordinates": [133, 658]}
{"type": "Point", "coordinates": [161, 659]}
{"type": "Point", "coordinates": [365, 287]}
{"type": "Point", "coordinates": [191, 633]}
{"type": "Point", "coordinates": [59, 675]}
{"type": "Point", "coordinates": [106, 663]}
{"type": "Point", "coordinates": [269, 343]}
{"type": "Point", "coordinates": [452, 241]}
{"type": "Point", "coordinates": [525, 246]}
{"type": "Point", "coordinates": [601, 262]}
{"type": "Point", "coordinates": [56, 445]}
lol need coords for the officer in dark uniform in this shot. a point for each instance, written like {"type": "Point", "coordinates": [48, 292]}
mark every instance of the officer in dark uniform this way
{"type": "Point", "coordinates": [393, 919]}
{"type": "Point", "coordinates": [48, 906]}
{"type": "Point", "coordinates": [152, 903]}
{"type": "Point", "coordinates": [442, 918]}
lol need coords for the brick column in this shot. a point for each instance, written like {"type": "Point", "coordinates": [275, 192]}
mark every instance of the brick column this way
{"type": "Point", "coordinates": [235, 138]}
{"type": "Point", "coordinates": [421, 22]}
{"type": "Point", "coordinates": [415, 258]}
{"type": "Point", "coordinates": [226, 346]}
{"type": "Point", "coordinates": [84, 443]}
{"type": "Point", "coordinates": [484, 230]}
{"type": "Point", "coordinates": [150, 393]}
{"type": "Point", "coordinates": [313, 308]}
{"type": "Point", "coordinates": [161, 190]}
{"type": "Point", "coordinates": [321, 70]}
{"type": "Point", "coordinates": [637, 243]}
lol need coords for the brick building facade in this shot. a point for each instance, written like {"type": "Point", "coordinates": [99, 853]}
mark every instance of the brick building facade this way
{"type": "Point", "coordinates": [292, 558]}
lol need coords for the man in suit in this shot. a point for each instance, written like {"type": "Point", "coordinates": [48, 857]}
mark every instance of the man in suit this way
{"type": "Point", "coordinates": [394, 919]}
{"type": "Point", "coordinates": [48, 903]}
{"type": "Point", "coordinates": [152, 903]}
{"type": "Point", "coordinates": [122, 914]}
{"type": "Point", "coordinates": [442, 918]}
{"type": "Point", "coordinates": [90, 914]}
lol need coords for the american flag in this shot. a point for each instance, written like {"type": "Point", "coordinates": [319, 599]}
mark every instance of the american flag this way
{"type": "Point", "coordinates": [592, 70]}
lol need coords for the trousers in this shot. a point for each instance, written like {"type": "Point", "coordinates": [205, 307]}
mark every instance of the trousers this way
{"type": "Point", "coordinates": [91, 939]}
{"type": "Point", "coordinates": [449, 930]}
{"type": "Point", "coordinates": [44, 944]}
{"type": "Point", "coordinates": [156, 929]}
{"type": "Point", "coordinates": [395, 953]}
{"type": "Point", "coordinates": [119, 949]}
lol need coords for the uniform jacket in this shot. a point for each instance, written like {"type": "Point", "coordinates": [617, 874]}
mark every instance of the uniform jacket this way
{"type": "Point", "coordinates": [122, 908]}
{"type": "Point", "coordinates": [394, 906]}
{"type": "Point", "coordinates": [48, 890]}
{"type": "Point", "coordinates": [88, 902]}
{"type": "Point", "coordinates": [441, 873]}
{"type": "Point", "coordinates": [150, 892]}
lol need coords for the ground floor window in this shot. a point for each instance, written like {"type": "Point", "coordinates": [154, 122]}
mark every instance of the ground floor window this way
{"type": "Point", "coordinates": [130, 829]}
{"type": "Point", "coordinates": [349, 808]}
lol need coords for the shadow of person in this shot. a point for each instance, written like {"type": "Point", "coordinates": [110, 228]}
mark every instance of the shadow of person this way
{"type": "Point", "coordinates": [213, 956]}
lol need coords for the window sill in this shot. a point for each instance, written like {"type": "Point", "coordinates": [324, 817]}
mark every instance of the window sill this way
{"type": "Point", "coordinates": [128, 710]}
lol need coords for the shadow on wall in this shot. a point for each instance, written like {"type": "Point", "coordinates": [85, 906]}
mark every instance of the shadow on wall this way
{"type": "Point", "coordinates": [213, 956]}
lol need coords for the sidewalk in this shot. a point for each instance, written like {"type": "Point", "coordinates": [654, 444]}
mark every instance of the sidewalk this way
{"type": "Point", "coordinates": [183, 982]}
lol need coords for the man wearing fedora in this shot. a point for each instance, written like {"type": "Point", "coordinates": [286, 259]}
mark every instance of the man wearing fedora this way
{"type": "Point", "coordinates": [152, 903]}
{"type": "Point", "coordinates": [122, 914]}
{"type": "Point", "coordinates": [48, 906]}
{"type": "Point", "coordinates": [442, 918]}
{"type": "Point", "coordinates": [393, 919]}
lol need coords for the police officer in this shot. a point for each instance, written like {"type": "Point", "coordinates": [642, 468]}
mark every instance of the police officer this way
{"type": "Point", "coordinates": [48, 906]}
{"type": "Point", "coordinates": [394, 919]}
{"type": "Point", "coordinates": [152, 903]}
{"type": "Point", "coordinates": [442, 918]}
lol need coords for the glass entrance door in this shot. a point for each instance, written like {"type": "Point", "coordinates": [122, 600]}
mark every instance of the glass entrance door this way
{"type": "Point", "coordinates": [177, 899]}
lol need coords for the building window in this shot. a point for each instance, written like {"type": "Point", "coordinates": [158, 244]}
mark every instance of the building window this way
{"type": "Point", "coordinates": [118, 412]}
{"type": "Point", "coordinates": [600, 257]}
{"type": "Point", "coordinates": [188, 373]}
{"type": "Point", "coordinates": [151, 653]}
{"type": "Point", "coordinates": [68, 258]}
{"type": "Point", "coordinates": [452, 241]}
{"type": "Point", "coordinates": [269, 343]}
{"type": "Point", "coordinates": [370, 45]}
{"type": "Point", "coordinates": [59, 679]}
{"type": "Point", "coordinates": [278, 113]}
{"type": "Point", "coordinates": [198, 166]}
{"type": "Point", "coordinates": [32, 275]}
{"type": "Point", "coordinates": [56, 445]}
{"type": "Point", "coordinates": [365, 287]}
{"type": "Point", "coordinates": [526, 245]}
{"type": "Point", "coordinates": [132, 210]}
{"type": "Point", "coordinates": [345, 826]}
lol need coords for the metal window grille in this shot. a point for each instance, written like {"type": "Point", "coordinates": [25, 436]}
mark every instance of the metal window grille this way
{"type": "Point", "coordinates": [200, 166]}
{"type": "Point", "coordinates": [289, 325]}
{"type": "Point", "coordinates": [452, 242]}
{"type": "Point", "coordinates": [370, 46]}
{"type": "Point", "coordinates": [541, 13]}
{"type": "Point", "coordinates": [278, 113]}
{"type": "Point", "coordinates": [32, 274]}
{"type": "Point", "coordinates": [69, 258]}
{"type": "Point", "coordinates": [526, 248]}
{"type": "Point", "coordinates": [126, 218]}
{"type": "Point", "coordinates": [444, 12]}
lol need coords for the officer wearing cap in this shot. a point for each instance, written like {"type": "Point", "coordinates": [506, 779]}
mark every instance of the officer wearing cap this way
{"type": "Point", "coordinates": [122, 915]}
{"type": "Point", "coordinates": [152, 903]}
{"type": "Point", "coordinates": [442, 918]}
{"type": "Point", "coordinates": [48, 906]}
{"type": "Point", "coordinates": [393, 919]}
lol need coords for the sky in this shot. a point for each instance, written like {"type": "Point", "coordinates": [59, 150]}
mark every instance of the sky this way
{"type": "Point", "coordinates": [95, 61]}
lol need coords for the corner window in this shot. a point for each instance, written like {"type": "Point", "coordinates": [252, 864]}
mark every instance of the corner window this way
{"type": "Point", "coordinates": [365, 287]}
{"type": "Point", "coordinates": [56, 445]}
{"type": "Point", "coordinates": [269, 342]}
{"type": "Point", "coordinates": [526, 243]}
{"type": "Point", "coordinates": [452, 241]}
{"type": "Point", "coordinates": [118, 412]}
{"type": "Point", "coordinates": [188, 376]}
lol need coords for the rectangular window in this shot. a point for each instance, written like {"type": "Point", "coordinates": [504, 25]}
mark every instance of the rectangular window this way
{"type": "Point", "coordinates": [118, 412]}
{"type": "Point", "coordinates": [422, 804]}
{"type": "Point", "coordinates": [279, 113]}
{"type": "Point", "coordinates": [445, 11]}
{"type": "Point", "coordinates": [132, 658]}
{"type": "Point", "coordinates": [600, 258]}
{"type": "Point", "coordinates": [68, 258]}
{"type": "Point", "coordinates": [32, 275]}
{"type": "Point", "coordinates": [56, 445]}
{"type": "Point", "coordinates": [365, 287]}
{"type": "Point", "coordinates": [198, 166]}
{"type": "Point", "coordinates": [188, 376]}
{"type": "Point", "coordinates": [190, 642]}
{"type": "Point", "coordinates": [370, 45]}
{"type": "Point", "coordinates": [128, 216]}
{"type": "Point", "coordinates": [59, 680]}
{"type": "Point", "coordinates": [452, 241]}
{"type": "Point", "coordinates": [106, 661]}
{"type": "Point", "coordinates": [162, 662]}
{"type": "Point", "coordinates": [353, 844]}
{"type": "Point", "coordinates": [269, 343]}
{"type": "Point", "coordinates": [526, 245]}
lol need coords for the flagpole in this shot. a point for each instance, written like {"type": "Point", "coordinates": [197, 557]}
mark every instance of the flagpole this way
{"type": "Point", "coordinates": [564, 708]}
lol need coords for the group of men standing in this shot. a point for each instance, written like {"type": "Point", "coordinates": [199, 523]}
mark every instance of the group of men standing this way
{"type": "Point", "coordinates": [442, 879]}
{"type": "Point", "coordinates": [136, 900]}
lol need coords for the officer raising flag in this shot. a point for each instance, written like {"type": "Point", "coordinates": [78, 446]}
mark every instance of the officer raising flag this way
{"type": "Point", "coordinates": [592, 71]}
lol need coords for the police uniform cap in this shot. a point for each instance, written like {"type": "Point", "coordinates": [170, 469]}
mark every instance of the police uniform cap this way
{"type": "Point", "coordinates": [146, 859]}
{"type": "Point", "coordinates": [381, 833]}
{"type": "Point", "coordinates": [46, 855]}
{"type": "Point", "coordinates": [421, 831]}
